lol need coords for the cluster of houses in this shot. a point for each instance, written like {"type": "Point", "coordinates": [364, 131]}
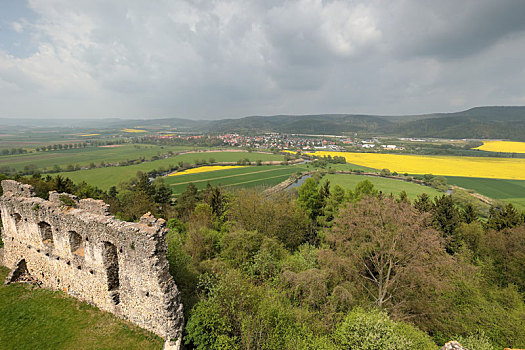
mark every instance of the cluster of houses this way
{"type": "Point", "coordinates": [280, 142]}
{"type": "Point", "coordinates": [292, 141]}
{"type": "Point", "coordinates": [302, 142]}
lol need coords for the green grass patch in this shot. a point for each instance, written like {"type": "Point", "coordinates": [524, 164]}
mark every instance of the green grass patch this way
{"type": "Point", "coordinates": [35, 318]}
{"type": "Point", "coordinates": [111, 176]}
{"type": "Point", "coordinates": [510, 191]}
{"type": "Point", "coordinates": [250, 176]}
{"type": "Point", "coordinates": [385, 185]}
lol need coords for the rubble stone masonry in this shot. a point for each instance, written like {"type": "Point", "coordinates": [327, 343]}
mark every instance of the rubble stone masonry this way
{"type": "Point", "coordinates": [76, 246]}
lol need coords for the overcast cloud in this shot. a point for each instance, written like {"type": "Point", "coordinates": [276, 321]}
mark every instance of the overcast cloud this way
{"type": "Point", "coordinates": [213, 59]}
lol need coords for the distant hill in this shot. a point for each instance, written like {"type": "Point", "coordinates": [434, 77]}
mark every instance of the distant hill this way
{"type": "Point", "coordinates": [479, 122]}
{"type": "Point", "coordinates": [171, 122]}
{"type": "Point", "coordinates": [301, 124]}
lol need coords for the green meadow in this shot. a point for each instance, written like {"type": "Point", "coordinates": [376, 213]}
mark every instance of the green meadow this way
{"type": "Point", "coordinates": [35, 318]}
{"type": "Point", "coordinates": [112, 176]}
{"type": "Point", "coordinates": [385, 185]}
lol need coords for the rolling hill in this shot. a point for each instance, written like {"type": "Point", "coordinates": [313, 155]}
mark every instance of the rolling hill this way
{"type": "Point", "coordinates": [479, 122]}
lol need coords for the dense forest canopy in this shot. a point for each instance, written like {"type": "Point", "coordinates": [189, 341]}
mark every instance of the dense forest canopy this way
{"type": "Point", "coordinates": [325, 268]}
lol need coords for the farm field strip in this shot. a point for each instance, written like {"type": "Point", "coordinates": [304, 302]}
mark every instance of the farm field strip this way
{"type": "Point", "coordinates": [493, 188]}
{"type": "Point", "coordinates": [242, 177]}
{"type": "Point", "coordinates": [512, 191]}
{"type": "Point", "coordinates": [502, 146]}
{"type": "Point", "coordinates": [486, 167]}
{"type": "Point", "coordinates": [258, 180]}
{"type": "Point", "coordinates": [205, 169]}
{"type": "Point", "coordinates": [266, 181]}
{"type": "Point", "coordinates": [224, 176]}
{"type": "Point", "coordinates": [251, 179]}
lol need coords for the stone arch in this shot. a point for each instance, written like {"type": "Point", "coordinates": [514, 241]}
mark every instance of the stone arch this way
{"type": "Point", "coordinates": [46, 232]}
{"type": "Point", "coordinates": [75, 243]}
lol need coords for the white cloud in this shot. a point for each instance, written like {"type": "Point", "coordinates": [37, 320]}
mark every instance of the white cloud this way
{"type": "Point", "coordinates": [232, 58]}
{"type": "Point", "coordinates": [17, 27]}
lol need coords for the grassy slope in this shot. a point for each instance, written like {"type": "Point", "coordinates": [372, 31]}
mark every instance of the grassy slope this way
{"type": "Point", "coordinates": [505, 190]}
{"type": "Point", "coordinates": [107, 177]}
{"type": "Point", "coordinates": [246, 177]}
{"type": "Point", "coordinates": [84, 156]}
{"type": "Point", "coordinates": [34, 318]}
{"type": "Point", "coordinates": [387, 186]}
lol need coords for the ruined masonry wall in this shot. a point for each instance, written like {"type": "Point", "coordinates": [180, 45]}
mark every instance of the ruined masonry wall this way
{"type": "Point", "coordinates": [120, 267]}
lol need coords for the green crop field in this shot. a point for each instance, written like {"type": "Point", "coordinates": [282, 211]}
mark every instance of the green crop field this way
{"type": "Point", "coordinates": [512, 191]}
{"type": "Point", "coordinates": [385, 185]}
{"type": "Point", "coordinates": [112, 176]}
{"type": "Point", "coordinates": [34, 318]}
{"type": "Point", "coordinates": [250, 176]}
{"type": "Point", "coordinates": [85, 156]}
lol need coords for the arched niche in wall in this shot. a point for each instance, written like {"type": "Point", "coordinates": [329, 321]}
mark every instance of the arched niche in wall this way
{"type": "Point", "coordinates": [46, 233]}
{"type": "Point", "coordinates": [75, 243]}
{"type": "Point", "coordinates": [110, 259]}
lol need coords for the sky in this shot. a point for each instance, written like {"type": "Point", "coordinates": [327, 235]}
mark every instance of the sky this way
{"type": "Point", "coordinates": [206, 59]}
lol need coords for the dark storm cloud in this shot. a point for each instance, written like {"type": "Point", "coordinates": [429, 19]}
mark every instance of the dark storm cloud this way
{"type": "Point", "coordinates": [454, 29]}
{"type": "Point", "coordinates": [210, 59]}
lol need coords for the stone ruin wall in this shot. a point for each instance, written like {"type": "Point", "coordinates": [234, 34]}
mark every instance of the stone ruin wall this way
{"type": "Point", "coordinates": [118, 266]}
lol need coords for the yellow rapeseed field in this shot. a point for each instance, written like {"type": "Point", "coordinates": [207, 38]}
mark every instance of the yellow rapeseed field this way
{"type": "Point", "coordinates": [133, 130]}
{"type": "Point", "coordinates": [89, 135]}
{"type": "Point", "coordinates": [495, 168]}
{"type": "Point", "coordinates": [503, 146]}
{"type": "Point", "coordinates": [205, 169]}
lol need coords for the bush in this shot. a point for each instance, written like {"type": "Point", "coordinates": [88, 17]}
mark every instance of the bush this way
{"type": "Point", "coordinates": [375, 330]}
{"type": "Point", "coordinates": [208, 327]}
{"type": "Point", "coordinates": [385, 172]}
{"type": "Point", "coordinates": [478, 341]}
{"type": "Point", "coordinates": [67, 201]}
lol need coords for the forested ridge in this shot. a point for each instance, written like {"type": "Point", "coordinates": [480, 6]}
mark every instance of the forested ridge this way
{"type": "Point", "coordinates": [490, 122]}
{"type": "Point", "coordinates": [325, 268]}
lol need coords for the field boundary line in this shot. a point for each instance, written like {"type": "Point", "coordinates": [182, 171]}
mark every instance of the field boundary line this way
{"type": "Point", "coordinates": [225, 177]}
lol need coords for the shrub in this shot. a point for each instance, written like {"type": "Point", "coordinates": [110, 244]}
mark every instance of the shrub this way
{"type": "Point", "coordinates": [375, 330]}
{"type": "Point", "coordinates": [385, 172]}
{"type": "Point", "coordinates": [208, 327]}
{"type": "Point", "coordinates": [477, 341]}
{"type": "Point", "coordinates": [66, 200]}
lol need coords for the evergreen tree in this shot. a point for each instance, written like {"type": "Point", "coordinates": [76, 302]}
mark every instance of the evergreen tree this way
{"type": "Point", "coordinates": [470, 214]}
{"type": "Point", "coordinates": [506, 217]}
{"type": "Point", "coordinates": [423, 203]}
